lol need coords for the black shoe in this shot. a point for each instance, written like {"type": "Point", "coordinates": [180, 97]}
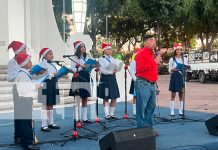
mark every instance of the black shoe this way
{"type": "Point", "coordinates": [45, 129]}
{"type": "Point", "coordinates": [108, 117]}
{"type": "Point", "coordinates": [17, 140]}
{"type": "Point", "coordinates": [31, 147]}
{"type": "Point", "coordinates": [87, 121]}
{"type": "Point", "coordinates": [53, 126]}
{"type": "Point", "coordinates": [114, 117]}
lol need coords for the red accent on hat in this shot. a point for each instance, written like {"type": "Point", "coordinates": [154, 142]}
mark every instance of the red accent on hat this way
{"type": "Point", "coordinates": [22, 59]}
{"type": "Point", "coordinates": [17, 46]}
{"type": "Point", "coordinates": [177, 46]}
{"type": "Point", "coordinates": [77, 44]}
{"type": "Point", "coordinates": [136, 50]}
{"type": "Point", "coordinates": [106, 46]}
{"type": "Point", "coordinates": [43, 52]}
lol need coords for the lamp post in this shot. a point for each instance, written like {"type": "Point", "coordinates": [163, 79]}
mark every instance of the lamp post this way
{"type": "Point", "coordinates": [107, 16]}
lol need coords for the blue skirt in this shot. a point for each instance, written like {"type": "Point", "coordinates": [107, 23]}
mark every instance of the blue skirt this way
{"type": "Point", "coordinates": [108, 88]}
{"type": "Point", "coordinates": [49, 93]}
{"type": "Point", "coordinates": [80, 86]}
{"type": "Point", "coordinates": [176, 82]}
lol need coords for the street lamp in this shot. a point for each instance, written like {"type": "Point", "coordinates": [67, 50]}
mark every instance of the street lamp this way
{"type": "Point", "coordinates": [107, 16]}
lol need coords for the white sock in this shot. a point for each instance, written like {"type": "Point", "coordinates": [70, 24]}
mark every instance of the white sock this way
{"type": "Point", "coordinates": [181, 107]}
{"type": "Point", "coordinates": [134, 109]}
{"type": "Point", "coordinates": [112, 111]}
{"type": "Point", "coordinates": [172, 108]}
{"type": "Point", "coordinates": [50, 117]}
{"type": "Point", "coordinates": [76, 113]}
{"type": "Point", "coordinates": [106, 110]}
{"type": "Point", "coordinates": [84, 113]}
{"type": "Point", "coordinates": [44, 118]}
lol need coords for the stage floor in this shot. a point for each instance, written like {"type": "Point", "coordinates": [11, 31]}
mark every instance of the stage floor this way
{"type": "Point", "coordinates": [174, 135]}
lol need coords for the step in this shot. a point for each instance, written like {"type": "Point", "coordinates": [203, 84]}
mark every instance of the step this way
{"type": "Point", "coordinates": [3, 71]}
{"type": "Point", "coordinates": [3, 77]}
{"type": "Point", "coordinates": [2, 67]}
{"type": "Point", "coordinates": [5, 84]}
{"type": "Point", "coordinates": [6, 90]}
{"type": "Point", "coordinates": [6, 98]}
{"type": "Point", "coordinates": [9, 105]}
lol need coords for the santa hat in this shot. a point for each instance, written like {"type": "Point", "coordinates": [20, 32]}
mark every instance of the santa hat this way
{"type": "Point", "coordinates": [106, 46]}
{"type": "Point", "coordinates": [22, 59]}
{"type": "Point", "coordinates": [136, 50]}
{"type": "Point", "coordinates": [77, 44]}
{"type": "Point", "coordinates": [177, 46]}
{"type": "Point", "coordinates": [44, 52]}
{"type": "Point", "coordinates": [17, 46]}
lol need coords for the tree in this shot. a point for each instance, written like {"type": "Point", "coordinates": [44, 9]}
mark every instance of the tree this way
{"type": "Point", "coordinates": [96, 14]}
{"type": "Point", "coordinates": [202, 16]}
{"type": "Point", "coordinates": [64, 29]}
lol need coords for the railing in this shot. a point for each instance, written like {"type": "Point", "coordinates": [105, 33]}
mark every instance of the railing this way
{"type": "Point", "coordinates": [202, 56]}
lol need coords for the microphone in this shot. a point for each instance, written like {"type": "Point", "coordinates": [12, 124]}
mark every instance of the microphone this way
{"type": "Point", "coordinates": [64, 56]}
{"type": "Point", "coordinates": [56, 61]}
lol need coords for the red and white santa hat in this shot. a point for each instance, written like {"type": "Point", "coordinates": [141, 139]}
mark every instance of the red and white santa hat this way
{"type": "Point", "coordinates": [106, 46]}
{"type": "Point", "coordinates": [22, 59]}
{"type": "Point", "coordinates": [177, 46]}
{"type": "Point", "coordinates": [17, 46]}
{"type": "Point", "coordinates": [44, 52]}
{"type": "Point", "coordinates": [77, 44]}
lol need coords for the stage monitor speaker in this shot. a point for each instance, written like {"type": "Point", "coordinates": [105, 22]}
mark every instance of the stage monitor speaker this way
{"type": "Point", "coordinates": [130, 139]}
{"type": "Point", "coordinates": [212, 125]}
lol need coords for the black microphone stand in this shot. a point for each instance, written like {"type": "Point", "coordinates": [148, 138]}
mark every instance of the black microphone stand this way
{"type": "Point", "coordinates": [125, 116]}
{"type": "Point", "coordinates": [98, 120]}
{"type": "Point", "coordinates": [158, 116]}
{"type": "Point", "coordinates": [77, 124]}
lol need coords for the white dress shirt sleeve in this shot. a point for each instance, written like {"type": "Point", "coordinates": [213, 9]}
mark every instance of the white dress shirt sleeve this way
{"type": "Point", "coordinates": [73, 64]}
{"type": "Point", "coordinates": [25, 87]}
{"type": "Point", "coordinates": [171, 65]}
{"type": "Point", "coordinates": [13, 69]}
{"type": "Point", "coordinates": [104, 64]}
{"type": "Point", "coordinates": [133, 69]}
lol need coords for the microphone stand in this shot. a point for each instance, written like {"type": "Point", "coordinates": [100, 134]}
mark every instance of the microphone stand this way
{"type": "Point", "coordinates": [125, 116]}
{"type": "Point", "coordinates": [158, 116]}
{"type": "Point", "coordinates": [77, 124]}
{"type": "Point", "coordinates": [98, 120]}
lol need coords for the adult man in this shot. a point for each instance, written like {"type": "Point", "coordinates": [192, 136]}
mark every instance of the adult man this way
{"type": "Point", "coordinates": [147, 75]}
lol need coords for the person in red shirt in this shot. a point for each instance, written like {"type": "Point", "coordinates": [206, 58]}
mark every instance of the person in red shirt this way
{"type": "Point", "coordinates": [147, 75]}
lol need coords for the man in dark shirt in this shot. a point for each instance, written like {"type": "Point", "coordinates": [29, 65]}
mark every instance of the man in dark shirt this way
{"type": "Point", "coordinates": [147, 75]}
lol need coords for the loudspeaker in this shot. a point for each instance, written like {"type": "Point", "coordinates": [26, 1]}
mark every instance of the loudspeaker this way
{"type": "Point", "coordinates": [130, 139]}
{"type": "Point", "coordinates": [212, 125]}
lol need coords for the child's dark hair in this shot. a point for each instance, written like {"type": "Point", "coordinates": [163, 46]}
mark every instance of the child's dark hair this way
{"type": "Point", "coordinates": [78, 52]}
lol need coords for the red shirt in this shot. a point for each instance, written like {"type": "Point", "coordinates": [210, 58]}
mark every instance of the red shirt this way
{"type": "Point", "coordinates": [146, 67]}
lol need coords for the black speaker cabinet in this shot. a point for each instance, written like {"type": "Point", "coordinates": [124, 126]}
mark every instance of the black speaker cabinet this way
{"type": "Point", "coordinates": [130, 139]}
{"type": "Point", "coordinates": [212, 125]}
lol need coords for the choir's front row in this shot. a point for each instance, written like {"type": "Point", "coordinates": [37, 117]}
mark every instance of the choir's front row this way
{"type": "Point", "coordinates": [21, 72]}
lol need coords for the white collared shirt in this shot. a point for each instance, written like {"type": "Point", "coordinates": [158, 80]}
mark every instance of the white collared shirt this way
{"type": "Point", "coordinates": [104, 61]}
{"type": "Point", "coordinates": [49, 67]}
{"type": "Point", "coordinates": [25, 86]}
{"type": "Point", "coordinates": [80, 61]}
{"type": "Point", "coordinates": [13, 69]}
{"type": "Point", "coordinates": [133, 69]}
{"type": "Point", "coordinates": [172, 63]}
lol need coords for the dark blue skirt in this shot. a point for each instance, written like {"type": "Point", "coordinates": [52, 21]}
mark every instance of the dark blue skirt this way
{"type": "Point", "coordinates": [176, 82]}
{"type": "Point", "coordinates": [49, 93]}
{"type": "Point", "coordinates": [108, 88]}
{"type": "Point", "coordinates": [132, 87]}
{"type": "Point", "coordinates": [80, 86]}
